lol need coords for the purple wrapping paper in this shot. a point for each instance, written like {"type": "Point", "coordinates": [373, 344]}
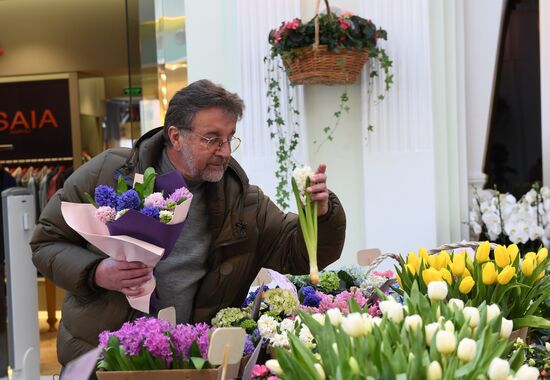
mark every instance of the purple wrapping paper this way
{"type": "Point", "coordinates": [145, 228]}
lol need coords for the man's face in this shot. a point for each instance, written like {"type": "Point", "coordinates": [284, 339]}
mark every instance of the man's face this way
{"type": "Point", "coordinates": [197, 160]}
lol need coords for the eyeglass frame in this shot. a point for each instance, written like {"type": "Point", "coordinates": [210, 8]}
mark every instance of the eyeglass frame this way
{"type": "Point", "coordinates": [209, 141]}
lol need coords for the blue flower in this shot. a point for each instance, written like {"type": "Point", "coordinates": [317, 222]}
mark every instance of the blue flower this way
{"type": "Point", "coordinates": [105, 196]}
{"type": "Point", "coordinates": [151, 211]}
{"type": "Point", "coordinates": [252, 296]}
{"type": "Point", "coordinates": [312, 300]}
{"type": "Point", "coordinates": [248, 346]}
{"type": "Point", "coordinates": [307, 290]}
{"type": "Point", "coordinates": [128, 200]}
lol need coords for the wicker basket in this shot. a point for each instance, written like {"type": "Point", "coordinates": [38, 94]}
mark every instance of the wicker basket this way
{"type": "Point", "coordinates": [317, 65]}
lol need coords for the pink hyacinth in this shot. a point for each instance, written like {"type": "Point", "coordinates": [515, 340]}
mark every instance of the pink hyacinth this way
{"type": "Point", "coordinates": [105, 214]}
{"type": "Point", "coordinates": [155, 200]}
{"type": "Point", "coordinates": [178, 194]}
{"type": "Point", "coordinates": [259, 370]}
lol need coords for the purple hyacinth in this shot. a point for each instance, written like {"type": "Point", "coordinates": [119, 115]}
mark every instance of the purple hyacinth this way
{"type": "Point", "coordinates": [178, 194]}
{"type": "Point", "coordinates": [128, 200]}
{"type": "Point", "coordinates": [312, 300]}
{"type": "Point", "coordinates": [151, 211]}
{"type": "Point", "coordinates": [183, 337]}
{"type": "Point", "coordinates": [105, 196]}
{"type": "Point", "coordinates": [248, 346]}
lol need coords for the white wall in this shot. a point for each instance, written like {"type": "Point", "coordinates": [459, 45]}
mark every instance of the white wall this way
{"type": "Point", "coordinates": [544, 25]}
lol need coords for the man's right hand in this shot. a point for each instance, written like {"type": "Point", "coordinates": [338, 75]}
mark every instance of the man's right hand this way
{"type": "Point", "coordinates": [123, 276]}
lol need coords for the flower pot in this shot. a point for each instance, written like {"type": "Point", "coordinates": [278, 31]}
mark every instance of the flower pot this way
{"type": "Point", "coordinates": [318, 65]}
{"type": "Point", "coordinates": [519, 333]}
{"type": "Point", "coordinates": [171, 374]}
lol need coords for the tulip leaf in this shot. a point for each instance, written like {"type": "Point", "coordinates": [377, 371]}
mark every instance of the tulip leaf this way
{"type": "Point", "coordinates": [532, 321]}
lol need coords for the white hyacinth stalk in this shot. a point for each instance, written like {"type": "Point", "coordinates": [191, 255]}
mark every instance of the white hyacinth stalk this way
{"type": "Point", "coordinates": [307, 214]}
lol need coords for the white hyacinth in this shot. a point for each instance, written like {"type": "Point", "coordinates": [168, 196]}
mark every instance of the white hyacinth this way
{"type": "Point", "coordinates": [300, 176]}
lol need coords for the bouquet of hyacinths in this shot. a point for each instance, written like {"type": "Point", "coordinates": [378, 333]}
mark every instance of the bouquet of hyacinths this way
{"type": "Point", "coordinates": [307, 213]}
{"type": "Point", "coordinates": [518, 286]}
{"type": "Point", "coordinates": [426, 339]}
{"type": "Point", "coordinates": [138, 224]}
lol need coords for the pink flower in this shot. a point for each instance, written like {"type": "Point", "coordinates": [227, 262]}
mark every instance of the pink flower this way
{"type": "Point", "coordinates": [259, 370]}
{"type": "Point", "coordinates": [273, 378]}
{"type": "Point", "coordinates": [105, 214]}
{"type": "Point", "coordinates": [294, 24]}
{"type": "Point", "coordinates": [386, 274]}
{"type": "Point", "coordinates": [344, 24]}
{"type": "Point", "coordinates": [155, 200]}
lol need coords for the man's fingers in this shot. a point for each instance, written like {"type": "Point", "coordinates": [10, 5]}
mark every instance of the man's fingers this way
{"type": "Point", "coordinates": [133, 292]}
{"type": "Point", "coordinates": [131, 265]}
{"type": "Point", "coordinates": [133, 282]}
{"type": "Point", "coordinates": [321, 169]}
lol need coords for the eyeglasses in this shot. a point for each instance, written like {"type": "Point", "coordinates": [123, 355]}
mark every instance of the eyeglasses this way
{"type": "Point", "coordinates": [215, 143]}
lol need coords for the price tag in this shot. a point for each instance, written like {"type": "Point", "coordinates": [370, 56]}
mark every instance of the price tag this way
{"type": "Point", "coordinates": [168, 314]}
{"type": "Point", "coordinates": [229, 342]}
{"type": "Point", "coordinates": [82, 367]}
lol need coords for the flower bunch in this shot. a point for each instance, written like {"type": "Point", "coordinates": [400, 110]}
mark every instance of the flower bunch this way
{"type": "Point", "coordinates": [151, 343]}
{"type": "Point", "coordinates": [307, 213]}
{"type": "Point", "coordinates": [111, 204]}
{"type": "Point", "coordinates": [424, 339]}
{"type": "Point", "coordinates": [500, 218]}
{"type": "Point", "coordinates": [518, 286]}
{"type": "Point", "coordinates": [276, 333]}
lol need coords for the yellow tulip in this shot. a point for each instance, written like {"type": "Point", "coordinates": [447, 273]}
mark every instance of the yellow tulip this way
{"type": "Point", "coordinates": [446, 275]}
{"type": "Point", "coordinates": [489, 274]}
{"type": "Point", "coordinates": [459, 264]}
{"type": "Point", "coordinates": [430, 274]}
{"type": "Point", "coordinates": [513, 251]}
{"type": "Point", "coordinates": [541, 255]}
{"type": "Point", "coordinates": [399, 280]}
{"type": "Point", "coordinates": [530, 254]}
{"type": "Point", "coordinates": [411, 269]}
{"type": "Point", "coordinates": [413, 261]}
{"type": "Point", "coordinates": [482, 253]}
{"type": "Point", "coordinates": [528, 266]}
{"type": "Point", "coordinates": [540, 276]}
{"type": "Point", "coordinates": [442, 260]}
{"type": "Point", "coordinates": [466, 285]}
{"type": "Point", "coordinates": [423, 255]}
{"type": "Point", "coordinates": [431, 261]}
{"type": "Point", "coordinates": [466, 273]}
{"type": "Point", "coordinates": [502, 257]}
{"type": "Point", "coordinates": [506, 275]}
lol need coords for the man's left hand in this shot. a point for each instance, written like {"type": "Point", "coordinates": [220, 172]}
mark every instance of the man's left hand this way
{"type": "Point", "coordinates": [319, 190]}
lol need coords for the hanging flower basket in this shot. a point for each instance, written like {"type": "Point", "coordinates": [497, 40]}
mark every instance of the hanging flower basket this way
{"type": "Point", "coordinates": [316, 64]}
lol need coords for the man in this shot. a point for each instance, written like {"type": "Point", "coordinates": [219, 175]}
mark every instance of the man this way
{"type": "Point", "coordinates": [232, 229]}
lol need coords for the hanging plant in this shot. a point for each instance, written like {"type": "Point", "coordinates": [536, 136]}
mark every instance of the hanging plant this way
{"type": "Point", "coordinates": [329, 50]}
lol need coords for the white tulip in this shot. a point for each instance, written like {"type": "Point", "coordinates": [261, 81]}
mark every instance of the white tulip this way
{"type": "Point", "coordinates": [320, 371]}
{"type": "Point", "coordinates": [368, 323]}
{"type": "Point", "coordinates": [354, 365]}
{"type": "Point", "coordinates": [335, 348]}
{"type": "Point", "coordinates": [384, 306]}
{"type": "Point", "coordinates": [412, 322]}
{"type": "Point", "coordinates": [394, 311]}
{"type": "Point", "coordinates": [499, 369]}
{"type": "Point", "coordinates": [471, 314]}
{"type": "Point", "coordinates": [527, 373]}
{"type": "Point", "coordinates": [445, 342]}
{"type": "Point", "coordinates": [492, 312]}
{"type": "Point", "coordinates": [274, 366]}
{"type": "Point", "coordinates": [449, 327]}
{"type": "Point", "coordinates": [434, 371]}
{"type": "Point", "coordinates": [335, 316]}
{"type": "Point", "coordinates": [353, 325]}
{"type": "Point", "coordinates": [547, 345]}
{"type": "Point", "coordinates": [377, 321]}
{"type": "Point", "coordinates": [430, 331]}
{"type": "Point", "coordinates": [506, 327]}
{"type": "Point", "coordinates": [456, 304]}
{"type": "Point", "coordinates": [437, 290]}
{"type": "Point", "coordinates": [466, 350]}
{"type": "Point", "coordinates": [305, 335]}
{"type": "Point", "coordinates": [320, 318]}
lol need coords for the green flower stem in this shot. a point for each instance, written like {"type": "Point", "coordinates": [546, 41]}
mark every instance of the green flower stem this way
{"type": "Point", "coordinates": [307, 215]}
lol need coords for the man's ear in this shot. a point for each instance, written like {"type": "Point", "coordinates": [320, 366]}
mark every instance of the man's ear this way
{"type": "Point", "coordinates": [174, 136]}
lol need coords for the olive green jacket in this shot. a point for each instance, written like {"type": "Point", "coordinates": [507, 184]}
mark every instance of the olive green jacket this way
{"type": "Point", "coordinates": [249, 232]}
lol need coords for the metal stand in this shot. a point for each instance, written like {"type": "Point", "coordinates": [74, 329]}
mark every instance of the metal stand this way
{"type": "Point", "coordinates": [18, 209]}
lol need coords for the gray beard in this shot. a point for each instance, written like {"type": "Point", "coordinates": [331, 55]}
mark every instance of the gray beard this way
{"type": "Point", "coordinates": [202, 175]}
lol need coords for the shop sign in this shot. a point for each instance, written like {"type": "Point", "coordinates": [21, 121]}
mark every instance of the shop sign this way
{"type": "Point", "coordinates": [35, 118]}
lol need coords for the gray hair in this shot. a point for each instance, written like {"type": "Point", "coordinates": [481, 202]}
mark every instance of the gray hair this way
{"type": "Point", "coordinates": [197, 96]}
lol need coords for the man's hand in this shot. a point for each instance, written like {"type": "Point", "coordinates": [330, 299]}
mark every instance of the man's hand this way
{"type": "Point", "coordinates": [123, 276]}
{"type": "Point", "coordinates": [319, 190]}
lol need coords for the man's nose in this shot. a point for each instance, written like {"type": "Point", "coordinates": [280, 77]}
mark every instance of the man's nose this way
{"type": "Point", "coordinates": [224, 150]}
